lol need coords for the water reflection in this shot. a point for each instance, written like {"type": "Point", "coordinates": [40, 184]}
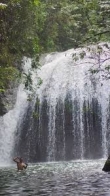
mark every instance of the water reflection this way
{"type": "Point", "coordinates": [83, 178]}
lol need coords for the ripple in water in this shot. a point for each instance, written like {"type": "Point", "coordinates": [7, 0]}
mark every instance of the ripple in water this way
{"type": "Point", "coordinates": [74, 178]}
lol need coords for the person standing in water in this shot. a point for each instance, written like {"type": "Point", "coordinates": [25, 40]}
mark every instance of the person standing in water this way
{"type": "Point", "coordinates": [20, 164]}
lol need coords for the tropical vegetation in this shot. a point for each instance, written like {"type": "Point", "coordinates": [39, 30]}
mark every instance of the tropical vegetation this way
{"type": "Point", "coordinates": [31, 27]}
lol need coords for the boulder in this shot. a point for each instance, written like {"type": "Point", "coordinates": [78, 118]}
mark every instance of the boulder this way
{"type": "Point", "coordinates": [106, 167]}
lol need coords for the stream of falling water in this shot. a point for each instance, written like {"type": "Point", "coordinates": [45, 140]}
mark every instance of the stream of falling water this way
{"type": "Point", "coordinates": [62, 76]}
{"type": "Point", "coordinates": [11, 120]}
{"type": "Point", "coordinates": [74, 122]}
{"type": "Point", "coordinates": [8, 125]}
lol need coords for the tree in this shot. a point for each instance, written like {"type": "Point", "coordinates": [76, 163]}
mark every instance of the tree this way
{"type": "Point", "coordinates": [17, 36]}
{"type": "Point", "coordinates": [31, 27]}
{"type": "Point", "coordinates": [69, 24]}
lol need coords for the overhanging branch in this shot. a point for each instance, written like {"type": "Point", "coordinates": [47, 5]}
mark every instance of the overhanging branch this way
{"type": "Point", "coordinates": [104, 32]}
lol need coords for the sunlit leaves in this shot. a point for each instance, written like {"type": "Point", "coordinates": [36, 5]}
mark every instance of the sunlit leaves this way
{"type": "Point", "coordinates": [36, 2]}
{"type": "Point", "coordinates": [3, 6]}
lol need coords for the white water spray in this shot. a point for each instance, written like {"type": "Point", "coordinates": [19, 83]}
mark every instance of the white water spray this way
{"type": "Point", "coordinates": [70, 91]}
{"type": "Point", "coordinates": [62, 75]}
{"type": "Point", "coordinates": [12, 119]}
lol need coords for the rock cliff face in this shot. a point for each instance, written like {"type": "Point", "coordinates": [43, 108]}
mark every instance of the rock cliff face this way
{"type": "Point", "coordinates": [8, 99]}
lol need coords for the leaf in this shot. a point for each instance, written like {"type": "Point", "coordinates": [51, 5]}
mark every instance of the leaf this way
{"type": "Point", "coordinates": [3, 5]}
{"type": "Point", "coordinates": [82, 54]}
{"type": "Point", "coordinates": [36, 2]}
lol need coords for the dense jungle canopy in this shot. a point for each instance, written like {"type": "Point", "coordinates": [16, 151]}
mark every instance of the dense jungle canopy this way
{"type": "Point", "coordinates": [31, 27]}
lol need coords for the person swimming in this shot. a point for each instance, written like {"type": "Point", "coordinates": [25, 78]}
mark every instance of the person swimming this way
{"type": "Point", "coordinates": [20, 164]}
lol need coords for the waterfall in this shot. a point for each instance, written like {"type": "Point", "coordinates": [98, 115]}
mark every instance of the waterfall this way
{"type": "Point", "coordinates": [72, 109]}
{"type": "Point", "coordinates": [11, 120]}
{"type": "Point", "coordinates": [8, 124]}
{"type": "Point", "coordinates": [69, 116]}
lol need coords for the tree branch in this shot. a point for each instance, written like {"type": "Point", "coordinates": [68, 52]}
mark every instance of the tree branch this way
{"type": "Point", "coordinates": [104, 32]}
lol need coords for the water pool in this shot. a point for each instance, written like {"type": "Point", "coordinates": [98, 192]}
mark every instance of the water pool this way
{"type": "Point", "coordinates": [73, 178]}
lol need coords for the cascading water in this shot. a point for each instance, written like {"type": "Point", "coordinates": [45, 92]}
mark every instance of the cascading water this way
{"type": "Point", "coordinates": [10, 121]}
{"type": "Point", "coordinates": [8, 124]}
{"type": "Point", "coordinates": [70, 117]}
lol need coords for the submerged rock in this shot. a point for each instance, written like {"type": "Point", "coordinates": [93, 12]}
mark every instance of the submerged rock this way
{"type": "Point", "coordinates": [106, 167]}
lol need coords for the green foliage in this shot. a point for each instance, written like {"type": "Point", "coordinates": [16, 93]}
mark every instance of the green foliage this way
{"type": "Point", "coordinates": [28, 81]}
{"type": "Point", "coordinates": [35, 62]}
{"type": "Point", "coordinates": [40, 81]}
{"type": "Point", "coordinates": [68, 106]}
{"type": "Point", "coordinates": [17, 36]}
{"type": "Point", "coordinates": [36, 2]}
{"type": "Point", "coordinates": [69, 24]}
{"type": "Point", "coordinates": [35, 115]}
{"type": "Point", "coordinates": [107, 68]}
{"type": "Point", "coordinates": [87, 109]}
{"type": "Point", "coordinates": [37, 102]}
{"type": "Point", "coordinates": [3, 6]}
{"type": "Point", "coordinates": [93, 71]}
{"type": "Point", "coordinates": [31, 27]}
{"type": "Point", "coordinates": [7, 75]}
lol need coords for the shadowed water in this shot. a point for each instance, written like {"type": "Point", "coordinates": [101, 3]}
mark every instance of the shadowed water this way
{"type": "Point", "coordinates": [74, 178]}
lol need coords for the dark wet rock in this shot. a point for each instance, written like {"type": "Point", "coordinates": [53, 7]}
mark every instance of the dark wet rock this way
{"type": "Point", "coordinates": [106, 167]}
{"type": "Point", "coordinates": [8, 99]}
